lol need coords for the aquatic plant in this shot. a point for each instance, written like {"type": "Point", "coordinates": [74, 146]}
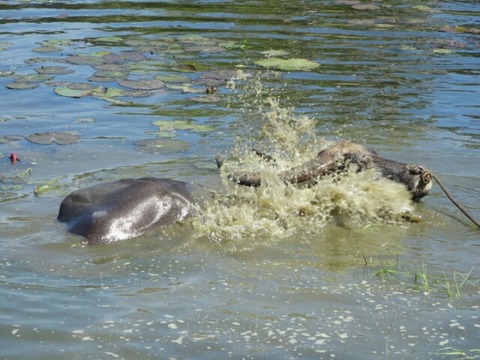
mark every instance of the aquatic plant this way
{"type": "Point", "coordinates": [453, 287]}
{"type": "Point", "coordinates": [458, 354]}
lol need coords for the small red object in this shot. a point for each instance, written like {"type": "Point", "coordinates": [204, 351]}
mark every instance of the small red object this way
{"type": "Point", "coordinates": [13, 158]}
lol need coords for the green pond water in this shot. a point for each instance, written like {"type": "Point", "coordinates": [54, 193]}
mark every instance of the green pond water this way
{"type": "Point", "coordinates": [102, 90]}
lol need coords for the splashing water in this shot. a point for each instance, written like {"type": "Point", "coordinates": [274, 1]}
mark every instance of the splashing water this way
{"type": "Point", "coordinates": [246, 217]}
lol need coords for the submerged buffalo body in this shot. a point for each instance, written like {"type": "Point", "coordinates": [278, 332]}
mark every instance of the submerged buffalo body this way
{"type": "Point", "coordinates": [128, 208]}
{"type": "Point", "coordinates": [125, 209]}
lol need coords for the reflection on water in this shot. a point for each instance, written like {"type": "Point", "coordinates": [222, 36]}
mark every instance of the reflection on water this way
{"type": "Point", "coordinates": [261, 274]}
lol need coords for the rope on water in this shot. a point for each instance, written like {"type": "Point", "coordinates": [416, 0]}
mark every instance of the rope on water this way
{"type": "Point", "coordinates": [465, 212]}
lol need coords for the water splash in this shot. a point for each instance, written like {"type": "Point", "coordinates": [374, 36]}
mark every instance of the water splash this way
{"type": "Point", "coordinates": [246, 217]}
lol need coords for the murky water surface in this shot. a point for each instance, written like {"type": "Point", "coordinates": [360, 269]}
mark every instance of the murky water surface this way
{"type": "Point", "coordinates": [100, 90]}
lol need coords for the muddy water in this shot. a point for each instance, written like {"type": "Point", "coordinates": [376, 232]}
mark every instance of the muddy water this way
{"type": "Point", "coordinates": [257, 274]}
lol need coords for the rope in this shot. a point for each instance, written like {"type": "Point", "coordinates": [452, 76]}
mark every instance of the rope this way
{"type": "Point", "coordinates": [465, 212]}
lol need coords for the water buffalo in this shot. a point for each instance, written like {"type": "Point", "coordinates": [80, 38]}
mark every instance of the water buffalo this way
{"type": "Point", "coordinates": [128, 208]}
{"type": "Point", "coordinates": [124, 209]}
{"type": "Point", "coordinates": [337, 158]}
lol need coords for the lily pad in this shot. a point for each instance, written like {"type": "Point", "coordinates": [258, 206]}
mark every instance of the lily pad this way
{"type": "Point", "coordinates": [84, 120]}
{"type": "Point", "coordinates": [4, 45]}
{"type": "Point", "coordinates": [48, 186]}
{"type": "Point", "coordinates": [33, 78]}
{"type": "Point", "coordinates": [21, 86]}
{"type": "Point", "coordinates": [161, 146]}
{"type": "Point", "coordinates": [142, 84]}
{"type": "Point", "coordinates": [365, 7]}
{"type": "Point", "coordinates": [212, 49]}
{"type": "Point", "coordinates": [72, 93]}
{"type": "Point", "coordinates": [172, 78]}
{"type": "Point", "coordinates": [109, 94]}
{"type": "Point", "coordinates": [54, 70]}
{"type": "Point", "coordinates": [84, 60]}
{"type": "Point", "coordinates": [172, 125]}
{"type": "Point", "coordinates": [122, 57]}
{"type": "Point", "coordinates": [4, 73]}
{"type": "Point", "coordinates": [206, 99]}
{"type": "Point", "coordinates": [443, 51]}
{"type": "Point", "coordinates": [36, 60]}
{"type": "Point", "coordinates": [288, 65]}
{"type": "Point", "coordinates": [81, 86]}
{"type": "Point", "coordinates": [107, 40]}
{"type": "Point", "coordinates": [4, 139]}
{"type": "Point", "coordinates": [270, 53]}
{"type": "Point", "coordinates": [134, 56]}
{"type": "Point", "coordinates": [195, 39]}
{"type": "Point", "coordinates": [136, 93]}
{"type": "Point", "coordinates": [47, 48]}
{"type": "Point", "coordinates": [185, 88]}
{"type": "Point", "coordinates": [47, 138]}
{"type": "Point", "coordinates": [109, 67]}
{"type": "Point", "coordinates": [215, 77]}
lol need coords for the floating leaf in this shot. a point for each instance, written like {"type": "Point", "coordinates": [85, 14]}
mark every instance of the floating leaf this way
{"type": "Point", "coordinates": [109, 94]}
{"type": "Point", "coordinates": [4, 45]}
{"type": "Point", "coordinates": [111, 74]}
{"type": "Point", "coordinates": [114, 58]}
{"type": "Point", "coordinates": [365, 7]}
{"type": "Point", "coordinates": [206, 99]}
{"type": "Point", "coordinates": [72, 93]}
{"type": "Point", "coordinates": [4, 139]}
{"type": "Point", "coordinates": [273, 53]}
{"type": "Point", "coordinates": [37, 60]}
{"type": "Point", "coordinates": [109, 67]}
{"type": "Point", "coordinates": [58, 42]}
{"type": "Point", "coordinates": [186, 67]}
{"type": "Point", "coordinates": [33, 78]}
{"type": "Point", "coordinates": [11, 187]}
{"type": "Point", "coordinates": [85, 120]}
{"type": "Point", "coordinates": [442, 51]}
{"type": "Point", "coordinates": [82, 86]}
{"type": "Point", "coordinates": [213, 49]}
{"type": "Point", "coordinates": [161, 146]}
{"type": "Point", "coordinates": [134, 56]}
{"type": "Point", "coordinates": [424, 8]}
{"type": "Point", "coordinates": [172, 125]}
{"type": "Point", "coordinates": [215, 77]}
{"type": "Point", "coordinates": [21, 86]}
{"type": "Point", "coordinates": [185, 88]}
{"type": "Point", "coordinates": [50, 185]}
{"type": "Point", "coordinates": [124, 56]}
{"type": "Point", "coordinates": [111, 99]}
{"type": "Point", "coordinates": [84, 60]}
{"type": "Point", "coordinates": [107, 40]}
{"type": "Point", "coordinates": [195, 39]}
{"type": "Point", "coordinates": [54, 70]}
{"type": "Point", "coordinates": [47, 48]}
{"type": "Point", "coordinates": [172, 78]}
{"type": "Point", "coordinates": [4, 73]}
{"type": "Point", "coordinates": [230, 45]}
{"type": "Point", "coordinates": [47, 138]}
{"type": "Point", "coordinates": [112, 92]}
{"type": "Point", "coordinates": [288, 65]}
{"type": "Point", "coordinates": [136, 93]}
{"type": "Point", "coordinates": [142, 84]}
